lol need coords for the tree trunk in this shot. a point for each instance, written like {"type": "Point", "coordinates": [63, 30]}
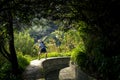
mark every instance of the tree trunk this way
{"type": "Point", "coordinates": [14, 61]}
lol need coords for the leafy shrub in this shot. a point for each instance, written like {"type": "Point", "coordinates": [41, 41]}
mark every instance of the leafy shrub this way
{"type": "Point", "coordinates": [95, 58]}
{"type": "Point", "coordinates": [56, 54]}
{"type": "Point", "coordinates": [23, 61]}
{"type": "Point", "coordinates": [5, 71]}
{"type": "Point", "coordinates": [76, 51]}
{"type": "Point", "coordinates": [53, 54]}
{"type": "Point", "coordinates": [24, 43]}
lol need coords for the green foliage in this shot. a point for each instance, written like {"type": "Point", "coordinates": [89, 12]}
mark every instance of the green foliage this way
{"type": "Point", "coordinates": [56, 54]}
{"type": "Point", "coordinates": [5, 71]}
{"type": "Point", "coordinates": [24, 43]}
{"type": "Point", "coordinates": [65, 54]}
{"type": "Point", "coordinates": [76, 52]}
{"type": "Point", "coordinates": [5, 67]}
{"type": "Point", "coordinates": [95, 58]}
{"type": "Point", "coordinates": [23, 60]}
{"type": "Point", "coordinates": [100, 35]}
{"type": "Point", "coordinates": [53, 54]}
{"type": "Point", "coordinates": [41, 27]}
{"type": "Point", "coordinates": [62, 41]}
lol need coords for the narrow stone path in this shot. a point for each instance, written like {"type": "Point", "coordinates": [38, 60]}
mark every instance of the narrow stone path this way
{"type": "Point", "coordinates": [34, 72]}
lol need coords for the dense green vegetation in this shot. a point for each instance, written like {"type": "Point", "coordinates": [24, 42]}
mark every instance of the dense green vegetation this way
{"type": "Point", "coordinates": [89, 29]}
{"type": "Point", "coordinates": [27, 48]}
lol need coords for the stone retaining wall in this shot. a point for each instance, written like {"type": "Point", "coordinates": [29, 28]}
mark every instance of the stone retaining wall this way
{"type": "Point", "coordinates": [45, 68]}
{"type": "Point", "coordinates": [57, 63]}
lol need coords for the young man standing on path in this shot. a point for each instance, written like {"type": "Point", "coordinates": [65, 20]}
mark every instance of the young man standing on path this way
{"type": "Point", "coordinates": [42, 49]}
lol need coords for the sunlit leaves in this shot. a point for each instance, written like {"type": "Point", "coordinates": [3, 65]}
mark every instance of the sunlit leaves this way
{"type": "Point", "coordinates": [24, 43]}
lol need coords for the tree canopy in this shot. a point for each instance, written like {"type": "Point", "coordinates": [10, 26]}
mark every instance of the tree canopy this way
{"type": "Point", "coordinates": [101, 32]}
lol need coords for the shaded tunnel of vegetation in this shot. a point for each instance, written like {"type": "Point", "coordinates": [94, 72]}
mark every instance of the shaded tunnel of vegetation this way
{"type": "Point", "coordinates": [86, 30]}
